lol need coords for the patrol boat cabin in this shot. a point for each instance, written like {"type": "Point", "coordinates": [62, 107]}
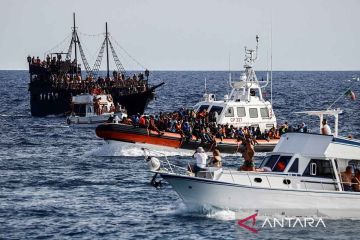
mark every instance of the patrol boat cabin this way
{"type": "Point", "coordinates": [245, 106]}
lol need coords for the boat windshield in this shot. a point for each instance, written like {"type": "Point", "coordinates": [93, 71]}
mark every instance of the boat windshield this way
{"type": "Point", "coordinates": [202, 107]}
{"type": "Point", "coordinates": [216, 109]}
{"type": "Point", "coordinates": [276, 163]}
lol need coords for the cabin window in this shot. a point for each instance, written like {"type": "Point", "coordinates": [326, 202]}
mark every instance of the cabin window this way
{"type": "Point", "coordinates": [355, 164]}
{"type": "Point", "coordinates": [294, 167]}
{"type": "Point", "coordinates": [229, 112]}
{"type": "Point", "coordinates": [281, 164]}
{"type": "Point", "coordinates": [270, 161]}
{"type": "Point", "coordinates": [202, 107]}
{"type": "Point", "coordinates": [264, 112]}
{"type": "Point", "coordinates": [241, 112]}
{"type": "Point", "coordinates": [216, 109]}
{"type": "Point", "coordinates": [80, 110]}
{"type": "Point", "coordinates": [319, 168]}
{"type": "Point", "coordinates": [253, 112]}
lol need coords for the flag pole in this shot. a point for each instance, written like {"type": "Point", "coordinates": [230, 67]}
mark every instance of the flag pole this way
{"type": "Point", "coordinates": [340, 97]}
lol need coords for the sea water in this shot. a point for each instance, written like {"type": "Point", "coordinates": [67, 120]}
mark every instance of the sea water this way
{"type": "Point", "coordinates": [60, 181]}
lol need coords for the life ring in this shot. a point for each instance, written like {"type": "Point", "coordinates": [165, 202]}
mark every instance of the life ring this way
{"type": "Point", "coordinates": [109, 98]}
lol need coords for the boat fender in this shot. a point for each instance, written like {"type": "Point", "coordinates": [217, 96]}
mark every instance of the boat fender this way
{"type": "Point", "coordinates": [153, 163]}
{"type": "Point", "coordinates": [77, 120]}
{"type": "Point", "coordinates": [68, 121]}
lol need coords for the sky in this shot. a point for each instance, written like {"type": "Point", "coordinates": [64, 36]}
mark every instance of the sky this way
{"type": "Point", "coordinates": [188, 34]}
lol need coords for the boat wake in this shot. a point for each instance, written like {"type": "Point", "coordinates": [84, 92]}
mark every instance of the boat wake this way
{"type": "Point", "coordinates": [122, 149]}
{"type": "Point", "coordinates": [230, 215]}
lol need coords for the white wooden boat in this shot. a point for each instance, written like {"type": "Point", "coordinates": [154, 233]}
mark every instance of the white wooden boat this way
{"type": "Point", "coordinates": [301, 177]}
{"type": "Point", "coordinates": [93, 109]}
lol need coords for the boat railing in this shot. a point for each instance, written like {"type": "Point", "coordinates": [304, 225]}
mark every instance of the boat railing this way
{"type": "Point", "coordinates": [169, 167]}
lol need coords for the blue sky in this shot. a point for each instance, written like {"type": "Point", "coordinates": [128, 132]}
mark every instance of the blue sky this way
{"type": "Point", "coordinates": [190, 34]}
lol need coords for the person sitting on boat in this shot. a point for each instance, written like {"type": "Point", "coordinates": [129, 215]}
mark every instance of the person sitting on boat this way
{"type": "Point", "coordinates": [325, 130]}
{"type": "Point", "coordinates": [356, 181]}
{"type": "Point", "coordinates": [201, 160]}
{"type": "Point", "coordinates": [112, 108]}
{"type": "Point", "coordinates": [346, 178]}
{"type": "Point", "coordinates": [186, 128]}
{"type": "Point", "coordinates": [152, 125]}
{"type": "Point", "coordinates": [135, 119]}
{"type": "Point", "coordinates": [248, 154]}
{"type": "Point", "coordinates": [116, 119]}
{"type": "Point", "coordinates": [142, 122]}
{"type": "Point", "coordinates": [110, 119]}
{"type": "Point", "coordinates": [216, 160]}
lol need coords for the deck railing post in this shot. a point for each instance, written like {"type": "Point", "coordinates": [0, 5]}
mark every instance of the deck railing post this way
{"type": "Point", "coordinates": [231, 176]}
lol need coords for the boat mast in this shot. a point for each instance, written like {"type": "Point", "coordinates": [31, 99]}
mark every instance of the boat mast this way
{"type": "Point", "coordinates": [75, 41]}
{"type": "Point", "coordinates": [107, 50]}
{"type": "Point", "coordinates": [271, 65]}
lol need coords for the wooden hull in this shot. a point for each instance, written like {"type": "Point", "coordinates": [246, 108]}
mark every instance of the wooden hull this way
{"type": "Point", "coordinates": [131, 134]}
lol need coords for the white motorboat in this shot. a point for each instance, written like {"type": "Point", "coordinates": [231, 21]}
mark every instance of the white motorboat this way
{"type": "Point", "coordinates": [93, 109]}
{"type": "Point", "coordinates": [301, 178]}
{"type": "Point", "coordinates": [245, 106]}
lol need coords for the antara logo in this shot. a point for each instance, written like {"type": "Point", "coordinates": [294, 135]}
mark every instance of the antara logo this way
{"type": "Point", "coordinates": [242, 223]}
{"type": "Point", "coordinates": [286, 222]}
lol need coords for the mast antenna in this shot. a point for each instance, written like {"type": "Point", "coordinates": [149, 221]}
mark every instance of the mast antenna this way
{"type": "Point", "coordinates": [229, 74]}
{"type": "Point", "coordinates": [75, 42]}
{"type": "Point", "coordinates": [205, 86]}
{"type": "Point", "coordinates": [107, 51]}
{"type": "Point", "coordinates": [271, 67]}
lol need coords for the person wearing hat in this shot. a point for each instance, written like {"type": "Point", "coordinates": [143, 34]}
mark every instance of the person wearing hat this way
{"type": "Point", "coordinates": [216, 161]}
{"type": "Point", "coordinates": [201, 159]}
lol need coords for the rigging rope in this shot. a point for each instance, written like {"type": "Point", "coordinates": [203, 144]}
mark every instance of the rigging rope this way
{"type": "Point", "coordinates": [128, 54]}
{"type": "Point", "coordinates": [97, 63]}
{"type": "Point", "coordinates": [119, 66]}
{"type": "Point", "coordinates": [90, 35]}
{"type": "Point", "coordinates": [60, 43]}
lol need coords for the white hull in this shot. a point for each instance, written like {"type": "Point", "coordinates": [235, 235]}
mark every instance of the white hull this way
{"type": "Point", "coordinates": [88, 120]}
{"type": "Point", "coordinates": [289, 202]}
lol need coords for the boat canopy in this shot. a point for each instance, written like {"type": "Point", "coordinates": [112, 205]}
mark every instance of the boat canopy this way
{"type": "Point", "coordinates": [83, 99]}
{"type": "Point", "coordinates": [317, 145]}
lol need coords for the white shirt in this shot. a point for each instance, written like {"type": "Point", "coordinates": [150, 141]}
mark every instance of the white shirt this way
{"type": "Point", "coordinates": [326, 130]}
{"type": "Point", "coordinates": [201, 159]}
{"type": "Point", "coordinates": [116, 119]}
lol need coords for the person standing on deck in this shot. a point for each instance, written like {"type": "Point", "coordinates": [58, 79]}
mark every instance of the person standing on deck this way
{"type": "Point", "coordinates": [325, 130]}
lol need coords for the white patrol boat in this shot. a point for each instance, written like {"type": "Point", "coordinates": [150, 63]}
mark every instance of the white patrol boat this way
{"type": "Point", "coordinates": [93, 109]}
{"type": "Point", "coordinates": [301, 177]}
{"type": "Point", "coordinates": [245, 106]}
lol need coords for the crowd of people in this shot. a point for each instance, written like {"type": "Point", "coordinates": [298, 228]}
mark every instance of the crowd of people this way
{"type": "Point", "coordinates": [188, 123]}
{"type": "Point", "coordinates": [62, 79]}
